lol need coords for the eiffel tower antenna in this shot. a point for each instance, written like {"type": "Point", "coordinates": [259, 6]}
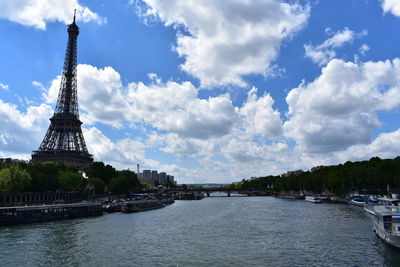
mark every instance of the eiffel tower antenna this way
{"type": "Point", "coordinates": [64, 139]}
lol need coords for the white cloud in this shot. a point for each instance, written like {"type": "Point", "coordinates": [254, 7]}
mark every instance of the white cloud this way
{"type": "Point", "coordinates": [183, 147]}
{"type": "Point", "coordinates": [227, 39]}
{"type": "Point", "coordinates": [392, 6]}
{"type": "Point", "coordinates": [99, 95]}
{"type": "Point", "coordinates": [124, 153]}
{"type": "Point", "coordinates": [37, 13]}
{"type": "Point", "coordinates": [4, 86]}
{"type": "Point", "coordinates": [260, 119]}
{"type": "Point", "coordinates": [176, 108]}
{"type": "Point", "coordinates": [386, 145]}
{"type": "Point", "coordinates": [22, 131]}
{"type": "Point", "coordinates": [323, 53]}
{"type": "Point", "coordinates": [364, 49]}
{"type": "Point", "coordinates": [170, 106]}
{"type": "Point", "coordinates": [338, 109]}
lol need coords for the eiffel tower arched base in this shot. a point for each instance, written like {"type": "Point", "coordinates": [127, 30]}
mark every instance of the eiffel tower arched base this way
{"type": "Point", "coordinates": [78, 159]}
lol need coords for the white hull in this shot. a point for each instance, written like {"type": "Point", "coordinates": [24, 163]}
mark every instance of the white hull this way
{"type": "Point", "coordinates": [313, 199]}
{"type": "Point", "coordinates": [388, 238]}
{"type": "Point", "coordinates": [387, 224]}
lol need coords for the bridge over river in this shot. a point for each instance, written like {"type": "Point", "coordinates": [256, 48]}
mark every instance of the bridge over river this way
{"type": "Point", "coordinates": [208, 190]}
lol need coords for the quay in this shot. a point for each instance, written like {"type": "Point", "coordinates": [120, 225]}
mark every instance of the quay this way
{"type": "Point", "coordinates": [143, 205]}
{"type": "Point", "coordinates": [30, 214]}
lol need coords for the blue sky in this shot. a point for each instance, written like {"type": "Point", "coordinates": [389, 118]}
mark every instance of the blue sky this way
{"type": "Point", "coordinates": [209, 91]}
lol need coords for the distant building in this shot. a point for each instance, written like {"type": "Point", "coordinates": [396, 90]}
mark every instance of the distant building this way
{"type": "Point", "coordinates": [297, 172]}
{"type": "Point", "coordinates": [146, 176]}
{"type": "Point", "coordinates": [152, 177]}
{"type": "Point", "coordinates": [170, 178]}
{"type": "Point", "coordinates": [313, 169]}
{"type": "Point", "coordinates": [11, 160]}
{"type": "Point", "coordinates": [162, 177]}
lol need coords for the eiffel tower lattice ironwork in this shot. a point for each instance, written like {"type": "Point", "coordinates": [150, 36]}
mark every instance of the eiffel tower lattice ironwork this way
{"type": "Point", "coordinates": [64, 139]}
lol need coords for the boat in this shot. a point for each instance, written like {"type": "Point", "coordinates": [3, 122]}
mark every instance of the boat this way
{"type": "Point", "coordinates": [358, 200]}
{"type": "Point", "coordinates": [141, 205]}
{"type": "Point", "coordinates": [189, 196]}
{"type": "Point", "coordinates": [387, 223]}
{"type": "Point", "coordinates": [313, 199]}
{"type": "Point", "coordinates": [388, 201]}
{"type": "Point", "coordinates": [30, 214]}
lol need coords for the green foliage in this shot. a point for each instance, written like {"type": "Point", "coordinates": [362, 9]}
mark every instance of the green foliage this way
{"type": "Point", "coordinates": [367, 176]}
{"type": "Point", "coordinates": [53, 176]}
{"type": "Point", "coordinates": [97, 185]}
{"type": "Point", "coordinates": [101, 171]}
{"type": "Point", "coordinates": [14, 179]}
{"type": "Point", "coordinates": [70, 181]}
{"type": "Point", "coordinates": [45, 176]}
{"type": "Point", "coordinates": [126, 181]}
{"type": "Point", "coordinates": [170, 184]}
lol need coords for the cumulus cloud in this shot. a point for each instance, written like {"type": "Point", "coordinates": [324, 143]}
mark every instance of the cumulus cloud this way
{"type": "Point", "coordinates": [99, 95]}
{"type": "Point", "coordinates": [22, 131]}
{"type": "Point", "coordinates": [175, 107]}
{"type": "Point", "coordinates": [338, 109]}
{"type": "Point", "coordinates": [391, 6]}
{"type": "Point", "coordinates": [323, 53]}
{"type": "Point", "coordinates": [260, 119]}
{"type": "Point", "coordinates": [170, 106]}
{"type": "Point", "coordinates": [184, 147]}
{"type": "Point", "coordinates": [386, 145]}
{"type": "Point", "coordinates": [126, 153]}
{"type": "Point", "coordinates": [37, 13]}
{"type": "Point", "coordinates": [226, 40]}
{"type": "Point", "coordinates": [123, 153]}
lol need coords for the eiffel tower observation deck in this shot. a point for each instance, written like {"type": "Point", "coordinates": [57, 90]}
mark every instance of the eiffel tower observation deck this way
{"type": "Point", "coordinates": [64, 140]}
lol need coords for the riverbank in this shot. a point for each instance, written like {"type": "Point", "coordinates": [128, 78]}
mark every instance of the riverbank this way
{"type": "Point", "coordinates": [325, 198]}
{"type": "Point", "coordinates": [40, 213]}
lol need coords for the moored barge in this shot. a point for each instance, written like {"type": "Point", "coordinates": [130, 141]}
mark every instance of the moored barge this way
{"type": "Point", "coordinates": [30, 214]}
{"type": "Point", "coordinates": [387, 223]}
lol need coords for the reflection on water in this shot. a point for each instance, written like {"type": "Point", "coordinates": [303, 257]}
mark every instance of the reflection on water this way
{"type": "Point", "coordinates": [218, 231]}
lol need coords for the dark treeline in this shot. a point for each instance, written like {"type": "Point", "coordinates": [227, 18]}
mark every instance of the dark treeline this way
{"type": "Point", "coordinates": [371, 176]}
{"type": "Point", "coordinates": [56, 176]}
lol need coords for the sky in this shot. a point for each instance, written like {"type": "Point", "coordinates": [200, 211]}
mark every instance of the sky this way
{"type": "Point", "coordinates": [210, 91]}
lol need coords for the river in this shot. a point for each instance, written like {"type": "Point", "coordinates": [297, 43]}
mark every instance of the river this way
{"type": "Point", "coordinates": [216, 231]}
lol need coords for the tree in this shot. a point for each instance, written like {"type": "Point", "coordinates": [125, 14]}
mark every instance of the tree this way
{"type": "Point", "coordinates": [169, 184]}
{"type": "Point", "coordinates": [14, 180]}
{"type": "Point", "coordinates": [97, 185]}
{"type": "Point", "coordinates": [101, 171]}
{"type": "Point", "coordinates": [125, 182]}
{"type": "Point", "coordinates": [45, 176]}
{"type": "Point", "coordinates": [70, 181]}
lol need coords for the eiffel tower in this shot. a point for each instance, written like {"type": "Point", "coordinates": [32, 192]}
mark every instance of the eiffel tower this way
{"type": "Point", "coordinates": [64, 139]}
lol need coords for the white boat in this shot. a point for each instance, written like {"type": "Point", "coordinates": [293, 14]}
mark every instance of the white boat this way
{"type": "Point", "coordinates": [388, 201]}
{"type": "Point", "coordinates": [313, 199]}
{"type": "Point", "coordinates": [387, 223]}
{"type": "Point", "coordinates": [358, 200]}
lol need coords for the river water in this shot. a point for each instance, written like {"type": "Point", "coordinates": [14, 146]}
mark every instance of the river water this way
{"type": "Point", "coordinates": [216, 231]}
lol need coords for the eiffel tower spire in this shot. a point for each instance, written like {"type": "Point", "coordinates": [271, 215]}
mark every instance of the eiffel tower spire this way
{"type": "Point", "coordinates": [64, 139]}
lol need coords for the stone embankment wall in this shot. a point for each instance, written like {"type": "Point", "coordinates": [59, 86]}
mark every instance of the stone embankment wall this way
{"type": "Point", "coordinates": [300, 195]}
{"type": "Point", "coordinates": [36, 198]}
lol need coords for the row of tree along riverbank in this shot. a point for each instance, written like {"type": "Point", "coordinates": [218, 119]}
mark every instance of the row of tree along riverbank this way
{"type": "Point", "coordinates": [371, 177]}
{"type": "Point", "coordinates": [29, 183]}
